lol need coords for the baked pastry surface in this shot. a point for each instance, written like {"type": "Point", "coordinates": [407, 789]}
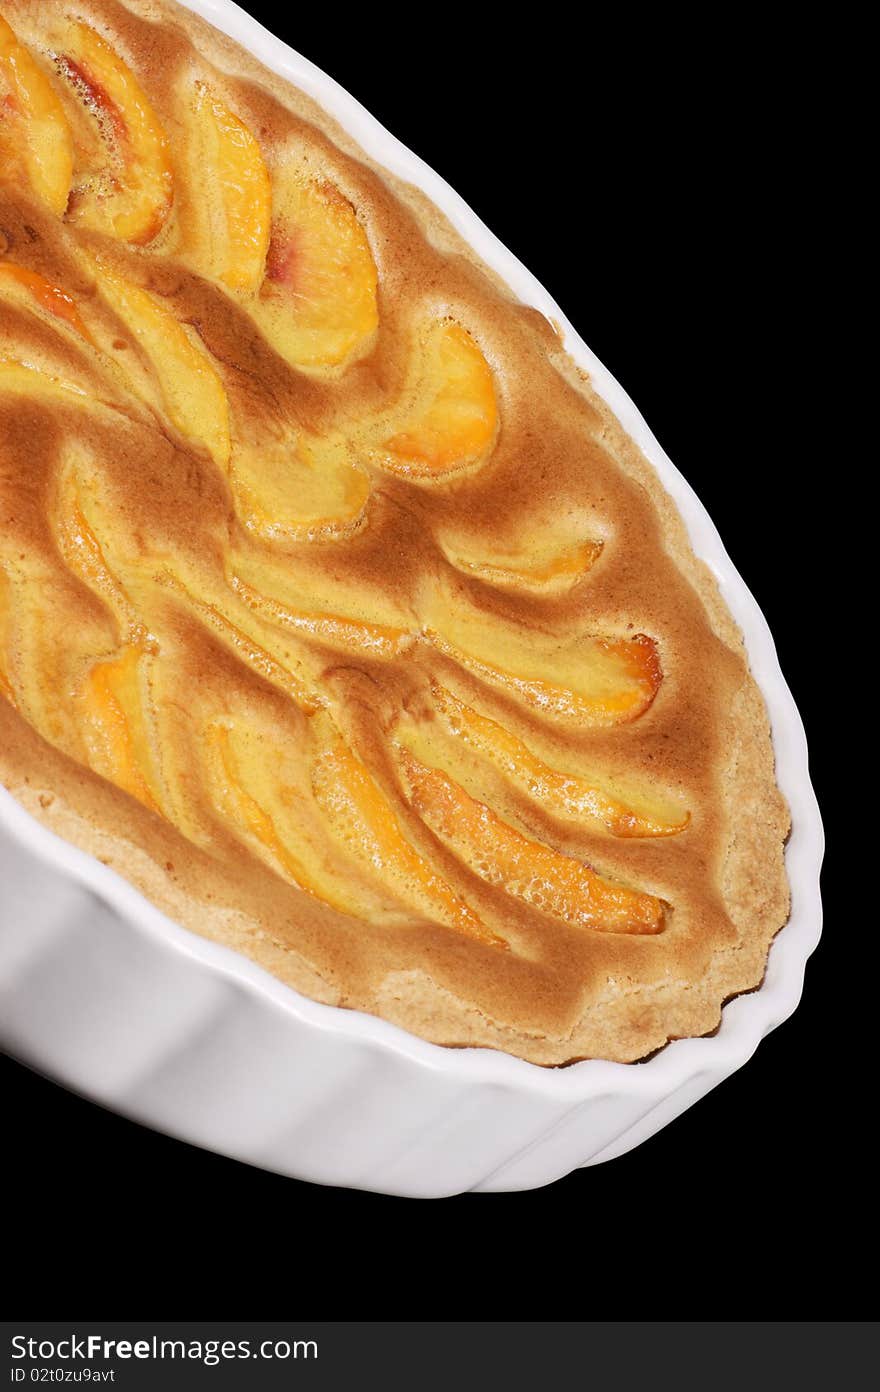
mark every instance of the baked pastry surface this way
{"type": "Point", "coordinates": [337, 611]}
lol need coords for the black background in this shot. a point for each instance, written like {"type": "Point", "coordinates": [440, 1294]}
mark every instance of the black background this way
{"type": "Point", "coordinates": [660, 182]}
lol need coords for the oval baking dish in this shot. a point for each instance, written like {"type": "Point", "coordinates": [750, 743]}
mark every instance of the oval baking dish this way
{"type": "Point", "coordinates": [101, 991]}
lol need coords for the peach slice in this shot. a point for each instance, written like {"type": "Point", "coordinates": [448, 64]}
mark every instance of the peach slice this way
{"type": "Point", "coordinates": [298, 489]}
{"type": "Point", "coordinates": [84, 556]}
{"type": "Point", "coordinates": [251, 652]}
{"type": "Point", "coordinates": [191, 387]}
{"type": "Point", "coordinates": [365, 821]}
{"type": "Point", "coordinates": [550, 574]}
{"type": "Point", "coordinates": [371, 639]}
{"type": "Point", "coordinates": [233, 203]}
{"type": "Point", "coordinates": [43, 650]}
{"type": "Point", "coordinates": [40, 382]}
{"type": "Point", "coordinates": [597, 681]}
{"type": "Point", "coordinates": [36, 146]}
{"type": "Point", "coordinates": [22, 377]}
{"type": "Point", "coordinates": [547, 880]}
{"type": "Point", "coordinates": [126, 190]}
{"type": "Point", "coordinates": [453, 421]}
{"type": "Point", "coordinates": [240, 796]}
{"type": "Point", "coordinates": [115, 729]}
{"type": "Point", "coordinates": [49, 297]}
{"type": "Point", "coordinates": [79, 545]}
{"type": "Point", "coordinates": [568, 795]}
{"type": "Point", "coordinates": [332, 596]}
{"type": "Point", "coordinates": [317, 306]}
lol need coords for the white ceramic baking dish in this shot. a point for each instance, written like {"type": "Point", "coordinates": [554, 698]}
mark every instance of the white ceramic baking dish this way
{"type": "Point", "coordinates": [103, 993]}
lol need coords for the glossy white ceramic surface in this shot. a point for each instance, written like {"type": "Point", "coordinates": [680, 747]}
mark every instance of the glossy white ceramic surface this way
{"type": "Point", "coordinates": [103, 993]}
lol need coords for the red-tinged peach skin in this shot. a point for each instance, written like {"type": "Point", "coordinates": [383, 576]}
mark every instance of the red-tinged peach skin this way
{"type": "Point", "coordinates": [36, 146]}
{"type": "Point", "coordinates": [130, 197]}
{"type": "Point", "coordinates": [318, 304]}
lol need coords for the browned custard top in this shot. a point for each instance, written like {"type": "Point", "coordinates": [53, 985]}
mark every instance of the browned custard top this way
{"type": "Point", "coordinates": [336, 611]}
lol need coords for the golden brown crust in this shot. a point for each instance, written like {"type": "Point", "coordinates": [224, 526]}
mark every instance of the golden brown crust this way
{"type": "Point", "coordinates": [560, 991]}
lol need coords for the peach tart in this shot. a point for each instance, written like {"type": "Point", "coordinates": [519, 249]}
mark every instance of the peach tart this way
{"type": "Point", "coordinates": [337, 611]}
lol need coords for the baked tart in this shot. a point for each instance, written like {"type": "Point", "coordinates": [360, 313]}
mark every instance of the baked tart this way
{"type": "Point", "coordinates": [337, 611]}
